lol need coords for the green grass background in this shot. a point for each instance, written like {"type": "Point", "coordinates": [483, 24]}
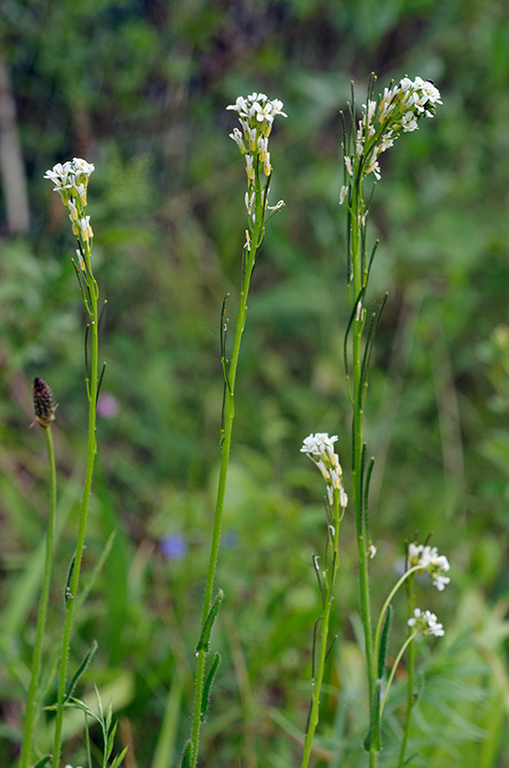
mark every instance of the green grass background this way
{"type": "Point", "coordinates": [139, 88]}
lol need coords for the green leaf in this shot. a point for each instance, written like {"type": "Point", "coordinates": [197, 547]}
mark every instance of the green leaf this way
{"type": "Point", "coordinates": [203, 643]}
{"type": "Point", "coordinates": [372, 740]}
{"type": "Point", "coordinates": [119, 758]}
{"type": "Point", "coordinates": [383, 642]}
{"type": "Point", "coordinates": [187, 755]}
{"type": "Point", "coordinates": [206, 688]}
{"type": "Point", "coordinates": [45, 760]}
{"type": "Point", "coordinates": [82, 667]}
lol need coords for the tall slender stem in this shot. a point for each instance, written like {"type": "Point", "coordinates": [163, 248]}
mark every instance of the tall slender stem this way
{"type": "Point", "coordinates": [316, 683]}
{"type": "Point", "coordinates": [26, 750]}
{"type": "Point", "coordinates": [70, 597]}
{"type": "Point", "coordinates": [358, 283]}
{"type": "Point", "coordinates": [357, 446]}
{"type": "Point", "coordinates": [410, 683]}
{"type": "Point", "coordinates": [229, 414]}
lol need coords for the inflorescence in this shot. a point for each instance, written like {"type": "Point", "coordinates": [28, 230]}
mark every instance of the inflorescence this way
{"type": "Point", "coordinates": [256, 115]}
{"type": "Point", "coordinates": [427, 623]}
{"type": "Point", "coordinates": [320, 449]}
{"type": "Point", "coordinates": [396, 111]}
{"type": "Point", "coordinates": [426, 558]}
{"type": "Point", "coordinates": [71, 182]}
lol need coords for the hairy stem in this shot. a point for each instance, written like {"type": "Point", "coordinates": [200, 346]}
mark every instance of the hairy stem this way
{"type": "Point", "coordinates": [26, 749]}
{"type": "Point", "coordinates": [70, 597]}
{"type": "Point", "coordinates": [229, 414]}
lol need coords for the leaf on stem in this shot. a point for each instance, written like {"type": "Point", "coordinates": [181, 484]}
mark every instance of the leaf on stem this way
{"type": "Point", "coordinates": [206, 688]}
{"type": "Point", "coordinates": [313, 651]}
{"type": "Point", "coordinates": [44, 761]}
{"type": "Point", "coordinates": [318, 577]}
{"type": "Point", "coordinates": [67, 591]}
{"type": "Point", "coordinates": [375, 320]}
{"type": "Point", "coordinates": [372, 740]}
{"type": "Point", "coordinates": [203, 643]}
{"type": "Point", "coordinates": [383, 642]}
{"type": "Point", "coordinates": [187, 754]}
{"type": "Point", "coordinates": [82, 667]}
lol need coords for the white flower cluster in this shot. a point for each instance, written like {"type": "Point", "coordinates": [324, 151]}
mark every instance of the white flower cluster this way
{"type": "Point", "coordinates": [71, 182]}
{"type": "Point", "coordinates": [256, 114]}
{"type": "Point", "coordinates": [396, 111]}
{"type": "Point", "coordinates": [320, 449]}
{"type": "Point", "coordinates": [426, 558]}
{"type": "Point", "coordinates": [427, 623]}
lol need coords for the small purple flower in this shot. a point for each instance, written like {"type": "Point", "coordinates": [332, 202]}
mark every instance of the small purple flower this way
{"type": "Point", "coordinates": [174, 546]}
{"type": "Point", "coordinates": [107, 405]}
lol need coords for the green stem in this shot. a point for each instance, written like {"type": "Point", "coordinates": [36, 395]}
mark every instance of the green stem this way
{"type": "Point", "coordinates": [229, 414]}
{"type": "Point", "coordinates": [393, 591]}
{"type": "Point", "coordinates": [395, 666]}
{"type": "Point", "coordinates": [316, 683]}
{"type": "Point", "coordinates": [26, 750]}
{"type": "Point", "coordinates": [410, 685]}
{"type": "Point", "coordinates": [70, 599]}
{"type": "Point", "coordinates": [358, 282]}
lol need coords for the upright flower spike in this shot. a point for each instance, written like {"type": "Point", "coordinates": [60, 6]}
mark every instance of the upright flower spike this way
{"type": "Point", "coordinates": [256, 115]}
{"type": "Point", "coordinates": [71, 182]}
{"type": "Point", "coordinates": [396, 111]}
{"type": "Point", "coordinates": [319, 447]}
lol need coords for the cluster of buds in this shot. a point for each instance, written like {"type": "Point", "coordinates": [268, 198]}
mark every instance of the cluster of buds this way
{"type": "Point", "coordinates": [396, 111]}
{"type": "Point", "coordinates": [256, 114]}
{"type": "Point", "coordinates": [426, 622]}
{"type": "Point", "coordinates": [320, 449]}
{"type": "Point", "coordinates": [71, 182]}
{"type": "Point", "coordinates": [44, 403]}
{"type": "Point", "coordinates": [426, 558]}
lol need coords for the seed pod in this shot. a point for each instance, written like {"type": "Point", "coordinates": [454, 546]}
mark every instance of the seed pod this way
{"type": "Point", "coordinates": [44, 404]}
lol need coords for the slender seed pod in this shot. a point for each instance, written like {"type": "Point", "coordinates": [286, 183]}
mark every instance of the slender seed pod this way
{"type": "Point", "coordinates": [44, 403]}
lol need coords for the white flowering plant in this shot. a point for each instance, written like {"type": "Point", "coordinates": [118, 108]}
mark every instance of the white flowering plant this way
{"type": "Point", "coordinates": [384, 118]}
{"type": "Point", "coordinates": [70, 180]}
{"type": "Point", "coordinates": [392, 113]}
{"type": "Point", "coordinates": [256, 114]}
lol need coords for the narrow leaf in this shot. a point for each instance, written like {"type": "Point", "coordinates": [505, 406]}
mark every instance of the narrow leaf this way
{"type": "Point", "coordinates": [372, 740]}
{"type": "Point", "coordinates": [119, 758]}
{"type": "Point", "coordinates": [67, 592]}
{"type": "Point", "coordinates": [206, 688]}
{"type": "Point", "coordinates": [187, 755]}
{"type": "Point", "coordinates": [45, 760]}
{"type": "Point", "coordinates": [82, 667]}
{"type": "Point", "coordinates": [383, 642]}
{"type": "Point", "coordinates": [203, 643]}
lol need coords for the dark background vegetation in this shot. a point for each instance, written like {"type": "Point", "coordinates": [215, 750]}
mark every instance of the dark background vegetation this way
{"type": "Point", "coordinates": [140, 89]}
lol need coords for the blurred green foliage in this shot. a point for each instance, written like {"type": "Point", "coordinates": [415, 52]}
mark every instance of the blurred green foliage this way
{"type": "Point", "coordinates": [139, 88]}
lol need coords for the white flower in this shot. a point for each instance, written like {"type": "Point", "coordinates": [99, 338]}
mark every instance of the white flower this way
{"type": "Point", "coordinates": [249, 167]}
{"type": "Point", "coordinates": [320, 449]}
{"type": "Point", "coordinates": [84, 228]}
{"type": "Point", "coordinates": [80, 167]}
{"type": "Point", "coordinates": [256, 114]}
{"type": "Point", "coordinates": [318, 444]}
{"type": "Point", "coordinates": [427, 623]}
{"type": "Point", "coordinates": [348, 165]}
{"type": "Point", "coordinates": [237, 138]}
{"type": "Point", "coordinates": [408, 122]}
{"type": "Point", "coordinates": [426, 558]}
{"type": "Point", "coordinates": [342, 195]}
